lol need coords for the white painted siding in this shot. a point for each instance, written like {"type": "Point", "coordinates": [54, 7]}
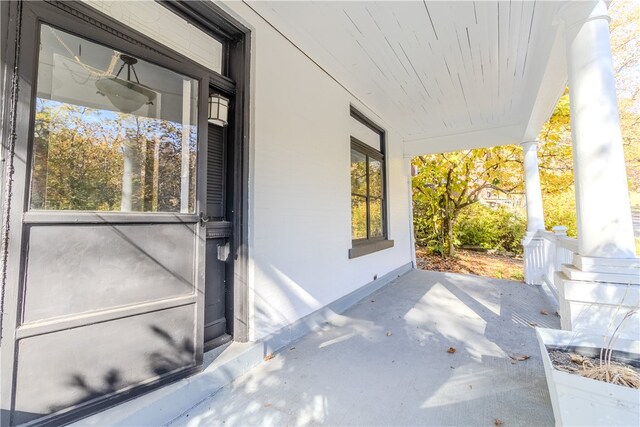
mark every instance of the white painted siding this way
{"type": "Point", "coordinates": [300, 225]}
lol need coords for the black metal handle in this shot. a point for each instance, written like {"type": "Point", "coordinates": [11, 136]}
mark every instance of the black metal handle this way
{"type": "Point", "coordinates": [203, 219]}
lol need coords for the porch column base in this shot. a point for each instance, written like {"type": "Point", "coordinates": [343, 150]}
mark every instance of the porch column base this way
{"type": "Point", "coordinates": [595, 294]}
{"type": "Point", "coordinates": [533, 259]}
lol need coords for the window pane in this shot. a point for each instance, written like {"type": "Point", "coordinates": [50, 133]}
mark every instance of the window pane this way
{"type": "Point", "coordinates": [156, 19]}
{"type": "Point", "coordinates": [375, 178]}
{"type": "Point", "coordinates": [112, 132]}
{"type": "Point", "coordinates": [358, 173]}
{"type": "Point", "coordinates": [358, 217]}
{"type": "Point", "coordinates": [365, 134]}
{"type": "Point", "coordinates": [375, 212]}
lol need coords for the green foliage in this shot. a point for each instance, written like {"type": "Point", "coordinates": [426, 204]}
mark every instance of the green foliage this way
{"type": "Point", "coordinates": [556, 169]}
{"type": "Point", "coordinates": [427, 227]}
{"type": "Point", "coordinates": [555, 151]}
{"type": "Point", "coordinates": [488, 228]}
{"type": "Point", "coordinates": [88, 159]}
{"type": "Point", "coordinates": [73, 168]}
{"type": "Point", "coordinates": [449, 182]}
{"type": "Point", "coordinates": [560, 209]}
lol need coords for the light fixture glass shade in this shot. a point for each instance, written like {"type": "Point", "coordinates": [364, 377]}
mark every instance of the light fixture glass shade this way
{"type": "Point", "coordinates": [125, 95]}
{"type": "Point", "coordinates": [218, 110]}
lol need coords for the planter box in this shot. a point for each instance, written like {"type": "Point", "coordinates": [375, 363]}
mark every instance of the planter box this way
{"type": "Point", "coordinates": [579, 401]}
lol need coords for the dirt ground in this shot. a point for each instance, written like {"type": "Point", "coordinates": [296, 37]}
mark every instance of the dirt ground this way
{"type": "Point", "coordinates": [472, 262]}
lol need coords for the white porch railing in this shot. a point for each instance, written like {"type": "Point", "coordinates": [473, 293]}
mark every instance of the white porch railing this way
{"type": "Point", "coordinates": [545, 253]}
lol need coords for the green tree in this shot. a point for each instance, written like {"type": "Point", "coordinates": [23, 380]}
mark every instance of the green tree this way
{"type": "Point", "coordinates": [449, 182]}
{"type": "Point", "coordinates": [485, 227]}
{"type": "Point", "coordinates": [87, 159]}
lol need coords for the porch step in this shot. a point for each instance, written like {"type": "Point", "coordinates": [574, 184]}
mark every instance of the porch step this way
{"type": "Point", "coordinates": [573, 273]}
{"type": "Point", "coordinates": [161, 406]}
{"type": "Point", "coordinates": [605, 265]}
{"type": "Point", "coordinates": [614, 294]}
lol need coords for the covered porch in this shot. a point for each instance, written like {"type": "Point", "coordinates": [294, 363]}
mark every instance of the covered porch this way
{"type": "Point", "coordinates": [344, 329]}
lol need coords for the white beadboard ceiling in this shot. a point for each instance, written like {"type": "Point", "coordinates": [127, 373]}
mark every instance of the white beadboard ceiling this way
{"type": "Point", "coordinates": [445, 75]}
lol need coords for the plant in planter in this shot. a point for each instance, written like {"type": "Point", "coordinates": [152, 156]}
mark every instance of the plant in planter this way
{"type": "Point", "coordinates": [593, 382]}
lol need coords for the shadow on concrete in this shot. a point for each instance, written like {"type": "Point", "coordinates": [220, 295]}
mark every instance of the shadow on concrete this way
{"type": "Point", "coordinates": [386, 362]}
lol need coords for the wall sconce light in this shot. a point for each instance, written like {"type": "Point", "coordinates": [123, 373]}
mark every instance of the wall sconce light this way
{"type": "Point", "coordinates": [218, 110]}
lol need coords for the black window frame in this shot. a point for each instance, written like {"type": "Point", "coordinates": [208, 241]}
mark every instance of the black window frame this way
{"type": "Point", "coordinates": [167, 60]}
{"type": "Point", "coordinates": [370, 244]}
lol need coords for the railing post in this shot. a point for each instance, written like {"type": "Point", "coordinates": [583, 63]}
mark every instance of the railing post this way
{"type": "Point", "coordinates": [560, 231]}
{"type": "Point", "coordinates": [533, 259]}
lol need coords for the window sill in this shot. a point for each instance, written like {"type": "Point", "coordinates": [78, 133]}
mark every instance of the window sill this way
{"type": "Point", "coordinates": [367, 248]}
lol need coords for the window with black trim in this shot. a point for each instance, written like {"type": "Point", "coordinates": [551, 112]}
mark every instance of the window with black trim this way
{"type": "Point", "coordinates": [368, 203]}
{"type": "Point", "coordinates": [366, 192]}
{"type": "Point", "coordinates": [111, 132]}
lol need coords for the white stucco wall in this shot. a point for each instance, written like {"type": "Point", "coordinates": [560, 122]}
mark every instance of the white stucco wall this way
{"type": "Point", "coordinates": [300, 194]}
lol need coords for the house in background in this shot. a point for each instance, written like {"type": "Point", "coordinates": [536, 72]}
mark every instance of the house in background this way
{"type": "Point", "coordinates": [494, 199]}
{"type": "Point", "coordinates": [177, 175]}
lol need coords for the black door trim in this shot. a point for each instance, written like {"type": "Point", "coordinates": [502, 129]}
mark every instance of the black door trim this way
{"type": "Point", "coordinates": [236, 67]}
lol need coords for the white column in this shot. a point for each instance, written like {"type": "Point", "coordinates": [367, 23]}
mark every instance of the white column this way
{"type": "Point", "coordinates": [533, 246]}
{"type": "Point", "coordinates": [602, 199]}
{"type": "Point", "coordinates": [532, 188]}
{"type": "Point", "coordinates": [411, 172]}
{"type": "Point", "coordinates": [600, 286]}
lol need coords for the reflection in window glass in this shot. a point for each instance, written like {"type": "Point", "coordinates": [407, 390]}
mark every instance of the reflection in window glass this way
{"type": "Point", "coordinates": [358, 217]}
{"type": "Point", "coordinates": [375, 178]}
{"type": "Point", "coordinates": [358, 173]}
{"type": "Point", "coordinates": [375, 217]}
{"type": "Point", "coordinates": [111, 132]}
{"type": "Point", "coordinates": [367, 168]}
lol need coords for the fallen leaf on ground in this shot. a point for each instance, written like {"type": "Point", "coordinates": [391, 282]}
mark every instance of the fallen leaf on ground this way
{"type": "Point", "coordinates": [292, 348]}
{"type": "Point", "coordinates": [519, 357]}
{"type": "Point", "coordinates": [544, 312]}
{"type": "Point", "coordinates": [498, 422]}
{"type": "Point", "coordinates": [269, 357]}
{"type": "Point", "coordinates": [267, 405]}
{"type": "Point", "coordinates": [451, 350]}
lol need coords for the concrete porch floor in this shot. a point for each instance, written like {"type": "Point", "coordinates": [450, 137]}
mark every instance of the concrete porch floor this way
{"type": "Point", "coordinates": [385, 362]}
